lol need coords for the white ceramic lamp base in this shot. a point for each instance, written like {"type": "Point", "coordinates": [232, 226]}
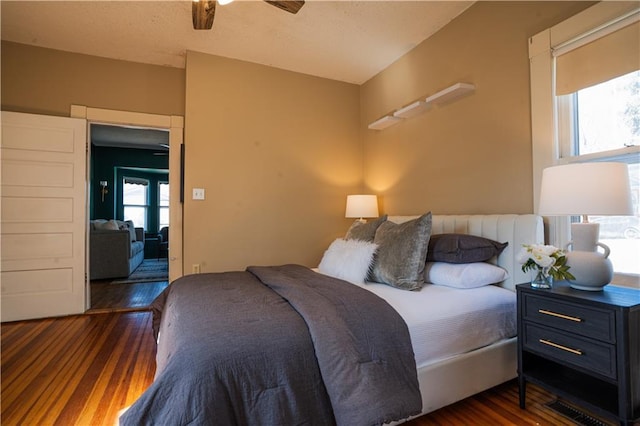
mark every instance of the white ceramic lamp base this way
{"type": "Point", "coordinates": [592, 269]}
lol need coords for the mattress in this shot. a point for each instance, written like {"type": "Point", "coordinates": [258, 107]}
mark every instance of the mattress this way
{"type": "Point", "coordinates": [444, 322]}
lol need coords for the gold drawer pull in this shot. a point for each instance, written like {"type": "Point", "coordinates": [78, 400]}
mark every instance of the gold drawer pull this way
{"type": "Point", "coordinates": [564, 348]}
{"type": "Point", "coordinates": [555, 314]}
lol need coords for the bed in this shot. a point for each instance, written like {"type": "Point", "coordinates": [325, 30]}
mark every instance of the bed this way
{"type": "Point", "coordinates": [315, 349]}
{"type": "Point", "coordinates": [468, 373]}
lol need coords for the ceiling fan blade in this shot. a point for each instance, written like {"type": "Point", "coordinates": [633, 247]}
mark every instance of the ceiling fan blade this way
{"type": "Point", "coordinates": [202, 12]}
{"type": "Point", "coordinates": [291, 6]}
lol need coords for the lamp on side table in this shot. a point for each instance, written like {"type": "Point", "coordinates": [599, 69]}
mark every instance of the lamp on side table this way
{"type": "Point", "coordinates": [361, 206]}
{"type": "Point", "coordinates": [581, 189]}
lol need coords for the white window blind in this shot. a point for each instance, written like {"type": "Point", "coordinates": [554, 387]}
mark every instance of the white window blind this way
{"type": "Point", "coordinates": [602, 58]}
{"type": "Point", "coordinates": [135, 181]}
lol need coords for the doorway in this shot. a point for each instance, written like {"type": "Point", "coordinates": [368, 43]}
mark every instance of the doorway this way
{"type": "Point", "coordinates": [129, 181]}
{"type": "Point", "coordinates": [116, 121]}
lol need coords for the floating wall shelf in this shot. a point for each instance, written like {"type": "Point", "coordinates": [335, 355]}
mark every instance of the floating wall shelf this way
{"type": "Point", "coordinates": [384, 122]}
{"type": "Point", "coordinates": [451, 93]}
{"type": "Point", "coordinates": [418, 107]}
{"type": "Point", "coordinates": [412, 110]}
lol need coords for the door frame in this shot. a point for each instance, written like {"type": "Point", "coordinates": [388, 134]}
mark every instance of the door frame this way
{"type": "Point", "coordinates": [175, 125]}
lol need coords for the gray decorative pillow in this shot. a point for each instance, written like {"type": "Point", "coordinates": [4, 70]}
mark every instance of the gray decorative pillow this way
{"type": "Point", "coordinates": [462, 248]}
{"type": "Point", "coordinates": [97, 224]}
{"type": "Point", "coordinates": [402, 253]}
{"type": "Point", "coordinates": [364, 231]}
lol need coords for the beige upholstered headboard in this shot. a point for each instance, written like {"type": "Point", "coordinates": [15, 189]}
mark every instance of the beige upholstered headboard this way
{"type": "Point", "coordinates": [512, 228]}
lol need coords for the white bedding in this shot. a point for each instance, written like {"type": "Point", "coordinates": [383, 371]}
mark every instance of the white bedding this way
{"type": "Point", "coordinates": [444, 321]}
{"type": "Point", "coordinates": [464, 347]}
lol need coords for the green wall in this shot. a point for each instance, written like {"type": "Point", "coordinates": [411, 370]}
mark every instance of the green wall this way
{"type": "Point", "coordinates": [111, 165]}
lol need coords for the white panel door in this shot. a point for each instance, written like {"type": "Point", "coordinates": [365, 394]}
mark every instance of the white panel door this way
{"type": "Point", "coordinates": [43, 216]}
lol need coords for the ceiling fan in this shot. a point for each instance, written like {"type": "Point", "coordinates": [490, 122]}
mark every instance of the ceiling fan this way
{"type": "Point", "coordinates": [203, 11]}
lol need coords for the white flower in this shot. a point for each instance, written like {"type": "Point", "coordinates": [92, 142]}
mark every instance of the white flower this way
{"type": "Point", "coordinates": [546, 250]}
{"type": "Point", "coordinates": [544, 261]}
{"type": "Point", "coordinates": [543, 257]}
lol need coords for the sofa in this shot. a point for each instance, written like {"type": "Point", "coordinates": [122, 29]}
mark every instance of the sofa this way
{"type": "Point", "coordinates": [116, 248]}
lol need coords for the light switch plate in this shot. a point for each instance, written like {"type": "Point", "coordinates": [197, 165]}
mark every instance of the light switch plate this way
{"type": "Point", "coordinates": [198, 193]}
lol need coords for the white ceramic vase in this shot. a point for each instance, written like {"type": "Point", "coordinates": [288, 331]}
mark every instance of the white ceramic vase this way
{"type": "Point", "coordinates": [591, 268]}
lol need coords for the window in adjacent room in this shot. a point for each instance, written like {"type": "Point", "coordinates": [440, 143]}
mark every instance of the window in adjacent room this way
{"type": "Point", "coordinates": [598, 104]}
{"type": "Point", "coordinates": [163, 204]}
{"type": "Point", "coordinates": [135, 200]}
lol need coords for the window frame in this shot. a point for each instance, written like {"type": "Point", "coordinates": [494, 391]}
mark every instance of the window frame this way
{"type": "Point", "coordinates": [145, 206]}
{"type": "Point", "coordinates": [160, 206]}
{"type": "Point", "coordinates": [568, 138]}
{"type": "Point", "coordinates": [547, 111]}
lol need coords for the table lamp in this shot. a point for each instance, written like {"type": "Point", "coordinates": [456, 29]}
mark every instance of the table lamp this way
{"type": "Point", "coordinates": [581, 189]}
{"type": "Point", "coordinates": [361, 206]}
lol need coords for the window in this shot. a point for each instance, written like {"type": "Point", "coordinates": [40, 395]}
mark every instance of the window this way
{"type": "Point", "coordinates": [585, 106]}
{"type": "Point", "coordinates": [135, 200]}
{"type": "Point", "coordinates": [603, 117]}
{"type": "Point", "coordinates": [163, 204]}
{"type": "Point", "coordinates": [622, 233]}
{"type": "Point", "coordinates": [599, 123]}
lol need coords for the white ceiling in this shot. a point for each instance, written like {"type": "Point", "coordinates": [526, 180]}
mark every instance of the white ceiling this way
{"type": "Point", "coordinates": [343, 40]}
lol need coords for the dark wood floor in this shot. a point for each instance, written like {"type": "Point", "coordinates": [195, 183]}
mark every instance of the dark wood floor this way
{"type": "Point", "coordinates": [107, 297]}
{"type": "Point", "coordinates": [81, 370]}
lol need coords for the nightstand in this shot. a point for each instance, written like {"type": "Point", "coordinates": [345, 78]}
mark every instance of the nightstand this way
{"type": "Point", "coordinates": [151, 250]}
{"type": "Point", "coordinates": [582, 346]}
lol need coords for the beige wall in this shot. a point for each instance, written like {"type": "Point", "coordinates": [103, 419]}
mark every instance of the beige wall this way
{"type": "Point", "coordinates": [276, 152]}
{"type": "Point", "coordinates": [472, 155]}
{"type": "Point", "coordinates": [47, 81]}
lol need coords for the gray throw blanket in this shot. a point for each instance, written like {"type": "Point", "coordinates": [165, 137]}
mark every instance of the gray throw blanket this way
{"type": "Point", "coordinates": [277, 346]}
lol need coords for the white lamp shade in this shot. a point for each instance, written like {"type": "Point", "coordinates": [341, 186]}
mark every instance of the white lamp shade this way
{"type": "Point", "coordinates": [362, 206]}
{"type": "Point", "coordinates": [585, 189]}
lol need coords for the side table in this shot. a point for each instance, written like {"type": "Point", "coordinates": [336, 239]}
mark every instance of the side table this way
{"type": "Point", "coordinates": [582, 346]}
{"type": "Point", "coordinates": [151, 248]}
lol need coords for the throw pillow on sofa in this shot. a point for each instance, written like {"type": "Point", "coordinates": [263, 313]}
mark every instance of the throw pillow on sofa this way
{"type": "Point", "coordinates": [128, 225]}
{"type": "Point", "coordinates": [106, 225]}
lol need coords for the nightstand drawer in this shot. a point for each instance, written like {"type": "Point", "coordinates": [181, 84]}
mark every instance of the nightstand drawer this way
{"type": "Point", "coordinates": [585, 321]}
{"type": "Point", "coordinates": [591, 355]}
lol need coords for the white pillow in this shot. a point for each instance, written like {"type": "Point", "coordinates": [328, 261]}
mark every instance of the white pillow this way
{"type": "Point", "coordinates": [109, 225]}
{"type": "Point", "coordinates": [349, 260]}
{"type": "Point", "coordinates": [464, 275]}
